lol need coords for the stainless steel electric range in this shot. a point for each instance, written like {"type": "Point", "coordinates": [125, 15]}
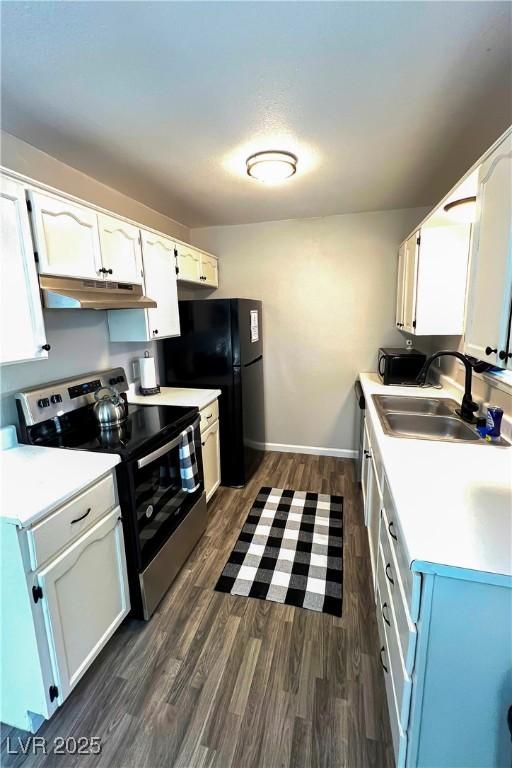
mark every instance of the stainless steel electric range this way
{"type": "Point", "coordinates": [162, 522]}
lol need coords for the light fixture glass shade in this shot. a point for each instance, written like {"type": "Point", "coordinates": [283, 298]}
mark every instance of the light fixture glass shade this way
{"type": "Point", "coordinates": [463, 210]}
{"type": "Point", "coordinates": [272, 166]}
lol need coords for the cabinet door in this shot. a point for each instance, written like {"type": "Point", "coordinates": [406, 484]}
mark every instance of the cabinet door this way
{"type": "Point", "coordinates": [374, 504]}
{"type": "Point", "coordinates": [365, 467]}
{"type": "Point", "coordinates": [21, 315]}
{"type": "Point", "coordinates": [400, 287]}
{"type": "Point", "coordinates": [209, 270]}
{"type": "Point", "coordinates": [160, 285]}
{"type": "Point", "coordinates": [490, 282]}
{"type": "Point", "coordinates": [410, 274]}
{"type": "Point", "coordinates": [66, 237]}
{"type": "Point", "coordinates": [211, 459]}
{"type": "Point", "coordinates": [120, 249]}
{"type": "Point", "coordinates": [189, 264]}
{"type": "Point", "coordinates": [85, 598]}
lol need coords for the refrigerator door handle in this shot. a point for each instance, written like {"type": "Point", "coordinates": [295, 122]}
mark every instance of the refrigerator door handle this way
{"type": "Point", "coordinates": [256, 359]}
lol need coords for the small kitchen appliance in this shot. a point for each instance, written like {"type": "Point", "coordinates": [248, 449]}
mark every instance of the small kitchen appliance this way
{"type": "Point", "coordinates": [400, 366]}
{"type": "Point", "coordinates": [162, 519]}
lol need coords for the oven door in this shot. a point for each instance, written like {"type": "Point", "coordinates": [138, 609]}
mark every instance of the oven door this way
{"type": "Point", "coordinates": [159, 502]}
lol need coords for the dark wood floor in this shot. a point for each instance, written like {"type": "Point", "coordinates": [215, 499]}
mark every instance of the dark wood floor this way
{"type": "Point", "coordinates": [215, 680]}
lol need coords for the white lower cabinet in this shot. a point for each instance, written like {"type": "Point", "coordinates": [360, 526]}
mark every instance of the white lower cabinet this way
{"type": "Point", "coordinates": [210, 448]}
{"type": "Point", "coordinates": [64, 612]}
{"type": "Point", "coordinates": [85, 599]}
{"type": "Point", "coordinates": [445, 640]}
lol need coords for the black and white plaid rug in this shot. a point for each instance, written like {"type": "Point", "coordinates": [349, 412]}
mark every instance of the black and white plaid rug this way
{"type": "Point", "coordinates": [290, 551]}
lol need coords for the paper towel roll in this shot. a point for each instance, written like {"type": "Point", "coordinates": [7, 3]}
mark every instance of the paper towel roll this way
{"type": "Point", "coordinates": [147, 372]}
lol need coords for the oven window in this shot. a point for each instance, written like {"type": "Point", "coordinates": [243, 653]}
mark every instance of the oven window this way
{"type": "Point", "coordinates": [160, 502]}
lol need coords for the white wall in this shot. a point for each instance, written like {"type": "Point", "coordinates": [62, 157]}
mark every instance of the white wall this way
{"type": "Point", "coordinates": [79, 338]}
{"type": "Point", "coordinates": [328, 289]}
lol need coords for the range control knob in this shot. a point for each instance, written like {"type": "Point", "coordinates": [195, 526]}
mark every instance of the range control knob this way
{"type": "Point", "coordinates": [56, 399]}
{"type": "Point", "coordinates": [43, 402]}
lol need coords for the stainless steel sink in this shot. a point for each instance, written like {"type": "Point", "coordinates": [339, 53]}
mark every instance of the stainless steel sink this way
{"type": "Point", "coordinates": [433, 406]}
{"type": "Point", "coordinates": [426, 418]}
{"type": "Point", "coordinates": [430, 427]}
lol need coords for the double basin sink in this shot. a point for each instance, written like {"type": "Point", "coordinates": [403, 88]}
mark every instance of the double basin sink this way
{"type": "Point", "coordinates": [426, 418]}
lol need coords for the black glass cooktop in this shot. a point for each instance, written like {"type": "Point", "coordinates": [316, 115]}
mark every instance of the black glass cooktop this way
{"type": "Point", "coordinates": [145, 426]}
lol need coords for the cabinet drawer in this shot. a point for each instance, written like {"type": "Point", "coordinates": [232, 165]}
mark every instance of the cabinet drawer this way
{"type": "Point", "coordinates": [402, 683]}
{"type": "Point", "coordinates": [411, 582]}
{"type": "Point", "coordinates": [391, 590]}
{"type": "Point", "coordinates": [398, 736]}
{"type": "Point", "coordinates": [63, 526]}
{"type": "Point", "coordinates": [209, 415]}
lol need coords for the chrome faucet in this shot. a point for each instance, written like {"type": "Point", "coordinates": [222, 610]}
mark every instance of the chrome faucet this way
{"type": "Point", "coordinates": [468, 406]}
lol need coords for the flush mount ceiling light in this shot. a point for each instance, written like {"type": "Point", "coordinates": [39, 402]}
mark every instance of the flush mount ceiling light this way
{"type": "Point", "coordinates": [462, 210]}
{"type": "Point", "coordinates": [271, 166]}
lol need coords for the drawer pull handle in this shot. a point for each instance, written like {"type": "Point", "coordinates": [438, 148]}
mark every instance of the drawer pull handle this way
{"type": "Point", "coordinates": [77, 520]}
{"type": "Point", "coordinates": [209, 415]}
{"type": "Point", "coordinates": [390, 529]}
{"type": "Point", "coordinates": [382, 663]}
{"type": "Point", "coordinates": [385, 605]}
{"type": "Point", "coordinates": [389, 578]}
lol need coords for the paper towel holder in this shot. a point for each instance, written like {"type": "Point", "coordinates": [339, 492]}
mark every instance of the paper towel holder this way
{"type": "Point", "coordinates": [146, 391]}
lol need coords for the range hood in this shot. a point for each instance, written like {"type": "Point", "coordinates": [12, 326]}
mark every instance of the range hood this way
{"type": "Point", "coordinates": [74, 293]}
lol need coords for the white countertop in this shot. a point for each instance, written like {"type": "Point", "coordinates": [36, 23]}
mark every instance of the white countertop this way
{"type": "Point", "coordinates": [453, 500]}
{"type": "Point", "coordinates": [36, 480]}
{"type": "Point", "coordinates": [199, 398]}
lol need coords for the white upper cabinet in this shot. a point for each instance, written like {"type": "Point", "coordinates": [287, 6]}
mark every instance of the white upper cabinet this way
{"type": "Point", "coordinates": [160, 282]}
{"type": "Point", "coordinates": [410, 276]}
{"type": "Point", "coordinates": [195, 266]}
{"type": "Point", "coordinates": [66, 237]}
{"type": "Point", "coordinates": [159, 266]}
{"type": "Point", "coordinates": [432, 271]}
{"type": "Point", "coordinates": [21, 317]}
{"type": "Point", "coordinates": [399, 319]}
{"type": "Point", "coordinates": [209, 270]}
{"type": "Point", "coordinates": [189, 263]}
{"type": "Point", "coordinates": [490, 283]}
{"type": "Point", "coordinates": [120, 249]}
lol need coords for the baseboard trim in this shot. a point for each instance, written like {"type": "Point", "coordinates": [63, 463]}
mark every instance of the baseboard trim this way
{"type": "Point", "coordinates": [340, 453]}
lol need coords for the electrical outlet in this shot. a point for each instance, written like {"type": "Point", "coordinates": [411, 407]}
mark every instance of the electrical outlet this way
{"type": "Point", "coordinates": [135, 369]}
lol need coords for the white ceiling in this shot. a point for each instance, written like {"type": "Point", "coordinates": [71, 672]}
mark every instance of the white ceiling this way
{"type": "Point", "coordinates": [385, 103]}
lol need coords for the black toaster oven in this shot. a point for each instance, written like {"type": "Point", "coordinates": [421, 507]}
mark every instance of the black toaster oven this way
{"type": "Point", "coordinates": [400, 366]}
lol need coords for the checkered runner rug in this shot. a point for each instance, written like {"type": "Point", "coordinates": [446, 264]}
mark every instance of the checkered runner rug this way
{"type": "Point", "coordinates": [289, 551]}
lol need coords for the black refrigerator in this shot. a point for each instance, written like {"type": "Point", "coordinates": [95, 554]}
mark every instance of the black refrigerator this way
{"type": "Point", "coordinates": [221, 347]}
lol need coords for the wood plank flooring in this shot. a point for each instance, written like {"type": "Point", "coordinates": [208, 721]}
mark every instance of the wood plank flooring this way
{"type": "Point", "coordinates": [217, 681]}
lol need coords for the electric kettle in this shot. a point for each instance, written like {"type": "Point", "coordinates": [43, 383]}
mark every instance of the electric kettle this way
{"type": "Point", "coordinates": [109, 408]}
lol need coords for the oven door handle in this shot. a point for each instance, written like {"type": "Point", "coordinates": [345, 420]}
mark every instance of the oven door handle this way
{"type": "Point", "coordinates": [162, 450]}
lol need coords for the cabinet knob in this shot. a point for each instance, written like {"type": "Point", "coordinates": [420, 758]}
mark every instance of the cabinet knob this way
{"type": "Point", "coordinates": [155, 331]}
{"type": "Point", "coordinates": [503, 355]}
{"type": "Point", "coordinates": [110, 271]}
{"type": "Point", "coordinates": [46, 347]}
{"type": "Point", "coordinates": [491, 351]}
